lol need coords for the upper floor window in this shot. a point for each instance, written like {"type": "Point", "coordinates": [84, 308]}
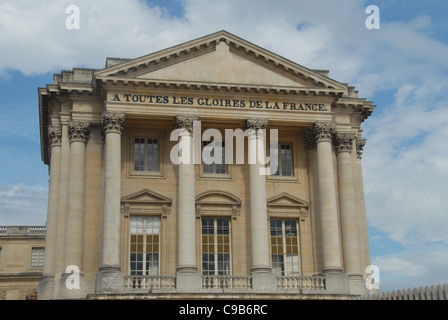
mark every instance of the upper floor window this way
{"type": "Point", "coordinates": [214, 151]}
{"type": "Point", "coordinates": [146, 154]}
{"type": "Point", "coordinates": [284, 167]}
{"type": "Point", "coordinates": [37, 257]}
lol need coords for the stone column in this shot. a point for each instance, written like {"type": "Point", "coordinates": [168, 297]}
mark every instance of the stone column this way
{"type": "Point", "coordinates": [110, 278]}
{"type": "Point", "coordinates": [331, 249]}
{"type": "Point", "coordinates": [78, 135]}
{"type": "Point", "coordinates": [188, 278]}
{"type": "Point", "coordinates": [46, 284]}
{"type": "Point", "coordinates": [361, 207]}
{"type": "Point", "coordinates": [263, 278]}
{"type": "Point", "coordinates": [310, 146]}
{"type": "Point", "coordinates": [349, 221]}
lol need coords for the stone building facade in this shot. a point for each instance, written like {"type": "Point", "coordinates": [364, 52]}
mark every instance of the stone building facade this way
{"type": "Point", "coordinates": [22, 255]}
{"type": "Point", "coordinates": [214, 167]}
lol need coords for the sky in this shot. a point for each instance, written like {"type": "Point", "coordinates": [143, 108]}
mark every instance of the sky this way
{"type": "Point", "coordinates": [402, 67]}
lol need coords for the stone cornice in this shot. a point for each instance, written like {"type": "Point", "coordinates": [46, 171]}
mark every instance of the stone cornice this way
{"type": "Point", "coordinates": [109, 82]}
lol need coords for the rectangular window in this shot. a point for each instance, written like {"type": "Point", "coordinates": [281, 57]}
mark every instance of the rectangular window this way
{"type": "Point", "coordinates": [216, 246]}
{"type": "Point", "coordinates": [284, 168]}
{"type": "Point", "coordinates": [144, 245]}
{"type": "Point", "coordinates": [285, 247]}
{"type": "Point", "coordinates": [208, 151]}
{"type": "Point", "coordinates": [146, 154]}
{"type": "Point", "coordinates": [37, 257]}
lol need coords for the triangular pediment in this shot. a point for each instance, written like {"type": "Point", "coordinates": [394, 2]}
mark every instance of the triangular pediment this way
{"type": "Point", "coordinates": [146, 196]}
{"type": "Point", "coordinates": [219, 58]}
{"type": "Point", "coordinates": [286, 200]}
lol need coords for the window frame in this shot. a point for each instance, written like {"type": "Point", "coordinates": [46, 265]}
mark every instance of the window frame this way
{"type": "Point", "coordinates": [281, 258]}
{"type": "Point", "coordinates": [39, 254]}
{"type": "Point", "coordinates": [146, 135]}
{"type": "Point", "coordinates": [217, 271]}
{"type": "Point", "coordinates": [145, 270]}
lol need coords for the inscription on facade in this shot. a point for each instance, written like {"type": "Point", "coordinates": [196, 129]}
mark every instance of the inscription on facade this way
{"type": "Point", "coordinates": [217, 102]}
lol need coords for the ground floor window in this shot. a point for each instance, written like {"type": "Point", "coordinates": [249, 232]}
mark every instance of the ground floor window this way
{"type": "Point", "coordinates": [144, 257]}
{"type": "Point", "coordinates": [216, 253]}
{"type": "Point", "coordinates": [285, 247]}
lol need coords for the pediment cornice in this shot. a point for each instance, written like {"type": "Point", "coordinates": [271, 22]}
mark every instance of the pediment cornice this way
{"type": "Point", "coordinates": [129, 70]}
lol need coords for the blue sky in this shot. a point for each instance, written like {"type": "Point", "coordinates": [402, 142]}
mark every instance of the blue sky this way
{"type": "Point", "coordinates": [402, 67]}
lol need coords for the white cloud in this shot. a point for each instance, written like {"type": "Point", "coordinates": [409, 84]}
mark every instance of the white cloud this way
{"type": "Point", "coordinates": [22, 204]}
{"type": "Point", "coordinates": [411, 269]}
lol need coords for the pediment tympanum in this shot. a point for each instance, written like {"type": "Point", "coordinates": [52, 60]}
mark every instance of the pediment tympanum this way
{"type": "Point", "coordinates": [220, 58]}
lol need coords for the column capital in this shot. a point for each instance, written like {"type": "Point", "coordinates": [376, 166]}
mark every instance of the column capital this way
{"type": "Point", "coordinates": [324, 130]}
{"type": "Point", "coordinates": [256, 124]}
{"type": "Point", "coordinates": [343, 142]}
{"type": "Point", "coordinates": [55, 135]}
{"type": "Point", "coordinates": [78, 131]}
{"type": "Point", "coordinates": [185, 122]}
{"type": "Point", "coordinates": [112, 122]}
{"type": "Point", "coordinates": [360, 143]}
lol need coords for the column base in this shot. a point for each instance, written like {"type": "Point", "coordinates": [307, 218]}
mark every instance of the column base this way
{"type": "Point", "coordinates": [46, 288]}
{"type": "Point", "coordinates": [74, 286]}
{"type": "Point", "coordinates": [263, 280]}
{"type": "Point", "coordinates": [357, 284]}
{"type": "Point", "coordinates": [336, 281]}
{"type": "Point", "coordinates": [109, 280]}
{"type": "Point", "coordinates": [188, 279]}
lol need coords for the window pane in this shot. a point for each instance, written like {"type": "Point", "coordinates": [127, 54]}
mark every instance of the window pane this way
{"type": "Point", "coordinates": [144, 245]}
{"type": "Point", "coordinates": [139, 154]}
{"type": "Point", "coordinates": [153, 155]}
{"type": "Point", "coordinates": [285, 247]}
{"type": "Point", "coordinates": [216, 246]}
{"type": "Point", "coordinates": [211, 151]}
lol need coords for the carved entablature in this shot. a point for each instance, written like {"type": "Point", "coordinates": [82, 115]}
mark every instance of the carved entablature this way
{"type": "Point", "coordinates": [343, 142]}
{"type": "Point", "coordinates": [185, 122]}
{"type": "Point", "coordinates": [78, 131]}
{"type": "Point", "coordinates": [112, 121]}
